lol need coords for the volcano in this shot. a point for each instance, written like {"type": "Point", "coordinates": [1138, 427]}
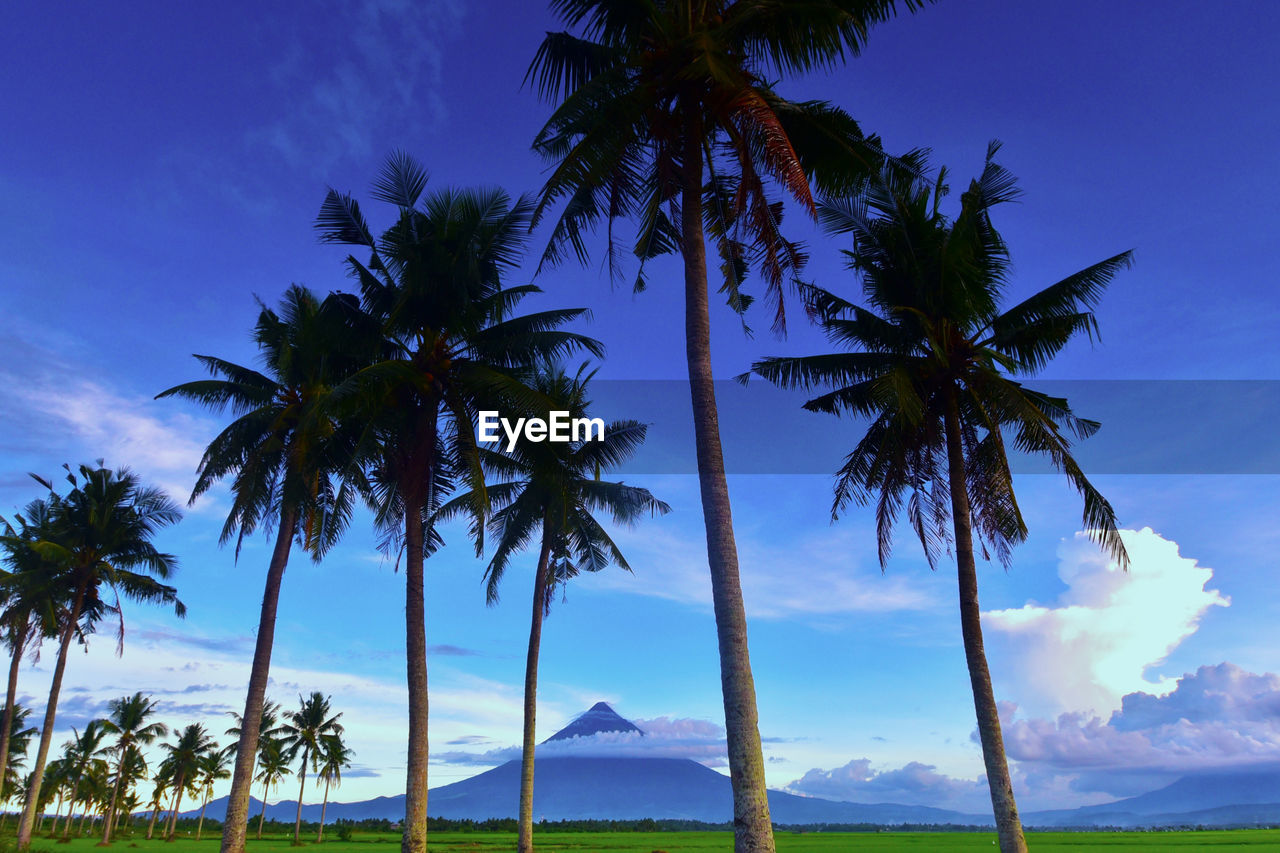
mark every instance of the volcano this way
{"type": "Point", "coordinates": [597, 719]}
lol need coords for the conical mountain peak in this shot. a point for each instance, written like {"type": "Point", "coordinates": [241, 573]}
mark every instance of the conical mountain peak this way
{"type": "Point", "coordinates": [599, 718]}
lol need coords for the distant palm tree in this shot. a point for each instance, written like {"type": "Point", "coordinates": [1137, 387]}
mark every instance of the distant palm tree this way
{"type": "Point", "coordinates": [184, 763]}
{"type": "Point", "coordinates": [334, 757]}
{"type": "Point", "coordinates": [128, 721]}
{"type": "Point", "coordinates": [215, 765]}
{"type": "Point", "coordinates": [290, 463]}
{"type": "Point", "coordinates": [273, 765]}
{"type": "Point", "coordinates": [549, 493]}
{"type": "Point", "coordinates": [932, 364]}
{"type": "Point", "coordinates": [95, 785]}
{"type": "Point", "coordinates": [82, 751]}
{"type": "Point", "coordinates": [128, 805]}
{"type": "Point", "coordinates": [666, 113]}
{"type": "Point", "coordinates": [101, 533]}
{"type": "Point", "coordinates": [451, 342]}
{"type": "Point", "coordinates": [301, 733]}
{"type": "Point", "coordinates": [161, 782]}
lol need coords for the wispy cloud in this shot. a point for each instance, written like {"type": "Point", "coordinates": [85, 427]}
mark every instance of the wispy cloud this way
{"type": "Point", "coordinates": [381, 82]}
{"type": "Point", "coordinates": [815, 575]}
{"type": "Point", "coordinates": [85, 418]}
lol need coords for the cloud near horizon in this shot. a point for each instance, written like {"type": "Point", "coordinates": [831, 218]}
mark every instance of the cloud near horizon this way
{"type": "Point", "coordinates": [1096, 644]}
{"type": "Point", "coordinates": [1219, 718]}
{"type": "Point", "coordinates": [664, 737]}
{"type": "Point", "coordinates": [914, 784]}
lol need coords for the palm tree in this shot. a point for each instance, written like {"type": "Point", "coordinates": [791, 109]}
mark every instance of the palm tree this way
{"type": "Point", "coordinates": [94, 783]}
{"type": "Point", "coordinates": [27, 589]}
{"type": "Point", "coordinates": [550, 494]}
{"type": "Point", "coordinates": [129, 804]}
{"type": "Point", "coordinates": [290, 464]}
{"type": "Point", "coordinates": [214, 766]}
{"type": "Point", "coordinates": [81, 752]}
{"type": "Point", "coordinates": [334, 757]}
{"type": "Point", "coordinates": [933, 365]}
{"type": "Point", "coordinates": [183, 759]}
{"type": "Point", "coordinates": [301, 732]}
{"type": "Point", "coordinates": [273, 766]}
{"type": "Point", "coordinates": [434, 280]}
{"type": "Point", "coordinates": [17, 742]}
{"type": "Point", "coordinates": [128, 721]}
{"type": "Point", "coordinates": [162, 780]}
{"type": "Point", "coordinates": [101, 533]}
{"type": "Point", "coordinates": [667, 116]}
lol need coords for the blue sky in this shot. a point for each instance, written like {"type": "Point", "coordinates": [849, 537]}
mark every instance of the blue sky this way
{"type": "Point", "coordinates": [161, 165]}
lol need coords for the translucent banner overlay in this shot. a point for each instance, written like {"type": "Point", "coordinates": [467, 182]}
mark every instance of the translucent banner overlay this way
{"type": "Point", "coordinates": [1148, 427]}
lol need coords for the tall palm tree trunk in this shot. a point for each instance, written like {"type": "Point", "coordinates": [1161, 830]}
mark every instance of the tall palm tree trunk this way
{"type": "Point", "coordinates": [66, 824]}
{"type": "Point", "coordinates": [414, 839]}
{"type": "Point", "coordinates": [262, 814]}
{"type": "Point", "coordinates": [752, 828]}
{"type": "Point", "coordinates": [540, 583]}
{"type": "Point", "coordinates": [50, 716]}
{"type": "Point", "coordinates": [84, 816]}
{"type": "Point", "coordinates": [1008, 825]}
{"type": "Point", "coordinates": [302, 786]}
{"type": "Point", "coordinates": [323, 808]}
{"type": "Point", "coordinates": [115, 797]}
{"type": "Point", "coordinates": [236, 823]}
{"type": "Point", "coordinates": [171, 826]}
{"type": "Point", "coordinates": [200, 825]}
{"type": "Point", "coordinates": [155, 813]}
{"type": "Point", "coordinates": [19, 633]}
{"type": "Point", "coordinates": [415, 801]}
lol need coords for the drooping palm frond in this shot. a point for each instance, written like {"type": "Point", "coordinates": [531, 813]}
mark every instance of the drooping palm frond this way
{"type": "Point", "coordinates": [933, 325]}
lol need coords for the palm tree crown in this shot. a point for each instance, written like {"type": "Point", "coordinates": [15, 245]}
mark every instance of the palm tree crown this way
{"type": "Point", "coordinates": [934, 336]}
{"type": "Point", "coordinates": [933, 365]}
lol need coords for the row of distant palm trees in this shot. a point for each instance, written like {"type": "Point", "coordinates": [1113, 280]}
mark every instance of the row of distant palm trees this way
{"type": "Point", "coordinates": [101, 767]}
{"type": "Point", "coordinates": [663, 114]}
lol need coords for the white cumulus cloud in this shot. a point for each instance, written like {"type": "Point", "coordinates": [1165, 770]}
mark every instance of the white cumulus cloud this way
{"type": "Point", "coordinates": [1097, 642]}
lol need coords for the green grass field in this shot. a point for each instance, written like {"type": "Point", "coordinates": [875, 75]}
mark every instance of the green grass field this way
{"type": "Point", "coordinates": [670, 842]}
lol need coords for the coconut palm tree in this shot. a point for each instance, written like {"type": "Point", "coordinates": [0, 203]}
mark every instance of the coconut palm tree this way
{"type": "Point", "coordinates": [549, 493]}
{"type": "Point", "coordinates": [29, 610]}
{"type": "Point", "coordinates": [17, 743]}
{"type": "Point", "coordinates": [664, 113]}
{"type": "Point", "coordinates": [290, 465]}
{"type": "Point", "coordinates": [452, 344]}
{"type": "Point", "coordinates": [215, 765]}
{"type": "Point", "coordinates": [94, 787]}
{"type": "Point", "coordinates": [100, 539]}
{"type": "Point", "coordinates": [334, 757]}
{"type": "Point", "coordinates": [128, 805]}
{"type": "Point", "coordinates": [934, 362]}
{"type": "Point", "coordinates": [81, 752]}
{"type": "Point", "coordinates": [301, 733]}
{"type": "Point", "coordinates": [161, 782]}
{"type": "Point", "coordinates": [273, 766]}
{"type": "Point", "coordinates": [128, 719]}
{"type": "Point", "coordinates": [183, 757]}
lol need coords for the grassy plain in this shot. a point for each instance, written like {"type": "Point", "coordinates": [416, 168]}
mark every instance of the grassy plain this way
{"type": "Point", "coordinates": [1252, 841]}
